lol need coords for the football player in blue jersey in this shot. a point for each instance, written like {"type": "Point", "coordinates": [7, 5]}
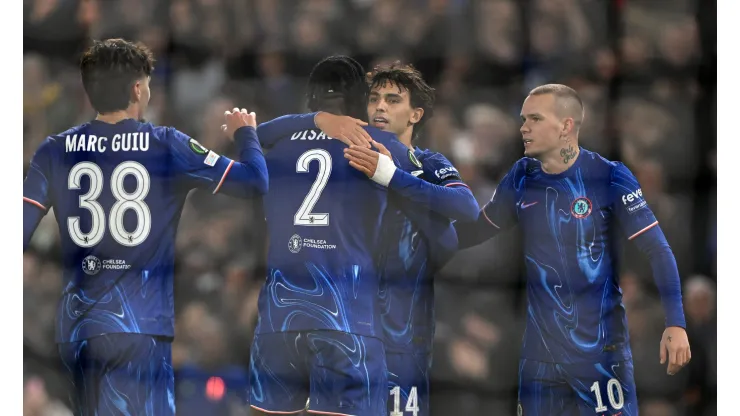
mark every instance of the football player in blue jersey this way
{"type": "Point", "coordinates": [426, 193]}
{"type": "Point", "coordinates": [317, 337]}
{"type": "Point", "coordinates": [402, 102]}
{"type": "Point", "coordinates": [572, 206]}
{"type": "Point", "coordinates": [117, 186]}
{"type": "Point", "coordinates": [294, 319]}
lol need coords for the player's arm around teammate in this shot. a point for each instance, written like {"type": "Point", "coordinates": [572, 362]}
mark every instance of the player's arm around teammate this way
{"type": "Point", "coordinates": [348, 130]}
{"type": "Point", "coordinates": [452, 198]}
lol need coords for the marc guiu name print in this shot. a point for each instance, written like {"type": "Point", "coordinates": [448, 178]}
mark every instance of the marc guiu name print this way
{"type": "Point", "coordinates": [135, 142]}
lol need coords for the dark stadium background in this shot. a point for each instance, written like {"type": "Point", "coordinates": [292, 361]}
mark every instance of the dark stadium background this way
{"type": "Point", "coordinates": [645, 68]}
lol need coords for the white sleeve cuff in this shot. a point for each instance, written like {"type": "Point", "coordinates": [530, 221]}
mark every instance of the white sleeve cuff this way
{"type": "Point", "coordinates": [385, 170]}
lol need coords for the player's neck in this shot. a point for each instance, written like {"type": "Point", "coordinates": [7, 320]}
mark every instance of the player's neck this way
{"type": "Point", "coordinates": [406, 137]}
{"type": "Point", "coordinates": [561, 160]}
{"type": "Point", "coordinates": [114, 117]}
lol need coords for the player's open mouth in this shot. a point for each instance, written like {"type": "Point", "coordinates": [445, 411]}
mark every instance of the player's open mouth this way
{"type": "Point", "coordinates": [527, 142]}
{"type": "Point", "coordinates": [380, 122]}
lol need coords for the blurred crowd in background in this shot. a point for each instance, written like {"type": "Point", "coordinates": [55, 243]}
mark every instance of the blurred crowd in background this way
{"type": "Point", "coordinates": [646, 70]}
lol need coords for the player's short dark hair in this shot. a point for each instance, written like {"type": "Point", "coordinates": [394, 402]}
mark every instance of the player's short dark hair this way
{"type": "Point", "coordinates": [569, 97]}
{"type": "Point", "coordinates": [342, 75]}
{"type": "Point", "coordinates": [109, 69]}
{"type": "Point", "coordinates": [409, 78]}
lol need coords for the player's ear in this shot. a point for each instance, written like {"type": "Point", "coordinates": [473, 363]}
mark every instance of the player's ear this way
{"type": "Point", "coordinates": [568, 125]}
{"type": "Point", "coordinates": [417, 115]}
{"type": "Point", "coordinates": [136, 91]}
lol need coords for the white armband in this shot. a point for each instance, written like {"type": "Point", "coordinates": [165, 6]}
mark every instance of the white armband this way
{"type": "Point", "coordinates": [385, 170]}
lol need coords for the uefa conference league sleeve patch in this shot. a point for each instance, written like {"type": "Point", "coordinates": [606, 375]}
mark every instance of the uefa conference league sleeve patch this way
{"type": "Point", "coordinates": [196, 147]}
{"type": "Point", "coordinates": [200, 150]}
{"type": "Point", "coordinates": [414, 161]}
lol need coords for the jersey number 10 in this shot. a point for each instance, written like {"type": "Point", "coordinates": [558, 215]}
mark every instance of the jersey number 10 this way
{"type": "Point", "coordinates": [615, 400]}
{"type": "Point", "coordinates": [124, 201]}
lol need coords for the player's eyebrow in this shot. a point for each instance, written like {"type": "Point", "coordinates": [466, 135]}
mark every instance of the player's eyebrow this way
{"type": "Point", "coordinates": [523, 116]}
{"type": "Point", "coordinates": [392, 95]}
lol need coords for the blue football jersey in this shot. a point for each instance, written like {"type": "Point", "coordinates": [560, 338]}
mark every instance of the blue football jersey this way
{"type": "Point", "coordinates": [117, 191]}
{"type": "Point", "coordinates": [417, 243]}
{"type": "Point", "coordinates": [571, 224]}
{"type": "Point", "coordinates": [324, 221]}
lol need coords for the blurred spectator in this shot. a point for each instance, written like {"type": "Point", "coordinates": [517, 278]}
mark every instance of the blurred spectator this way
{"type": "Point", "coordinates": [36, 400]}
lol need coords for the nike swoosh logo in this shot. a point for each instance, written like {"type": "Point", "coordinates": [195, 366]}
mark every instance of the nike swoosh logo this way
{"type": "Point", "coordinates": [523, 205]}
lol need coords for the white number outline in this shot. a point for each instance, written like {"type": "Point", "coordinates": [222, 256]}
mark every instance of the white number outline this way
{"type": "Point", "coordinates": [304, 216]}
{"type": "Point", "coordinates": [610, 385]}
{"type": "Point", "coordinates": [412, 404]}
{"type": "Point", "coordinates": [617, 405]}
{"type": "Point", "coordinates": [89, 202]}
{"type": "Point", "coordinates": [124, 202]}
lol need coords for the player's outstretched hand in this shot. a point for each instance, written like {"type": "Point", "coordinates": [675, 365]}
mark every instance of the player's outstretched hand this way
{"type": "Point", "coordinates": [236, 119]}
{"type": "Point", "coordinates": [346, 129]}
{"type": "Point", "coordinates": [674, 346]}
{"type": "Point", "coordinates": [366, 160]}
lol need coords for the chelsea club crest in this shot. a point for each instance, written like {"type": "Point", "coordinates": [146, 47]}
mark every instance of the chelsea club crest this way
{"type": "Point", "coordinates": [91, 265]}
{"type": "Point", "coordinates": [581, 207]}
{"type": "Point", "coordinates": [295, 243]}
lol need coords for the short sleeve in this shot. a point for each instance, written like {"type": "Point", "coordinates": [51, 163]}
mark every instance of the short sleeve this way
{"type": "Point", "coordinates": [630, 208]}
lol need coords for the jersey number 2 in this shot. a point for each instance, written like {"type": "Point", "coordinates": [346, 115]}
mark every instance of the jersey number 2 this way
{"type": "Point", "coordinates": [304, 216]}
{"type": "Point", "coordinates": [124, 201]}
